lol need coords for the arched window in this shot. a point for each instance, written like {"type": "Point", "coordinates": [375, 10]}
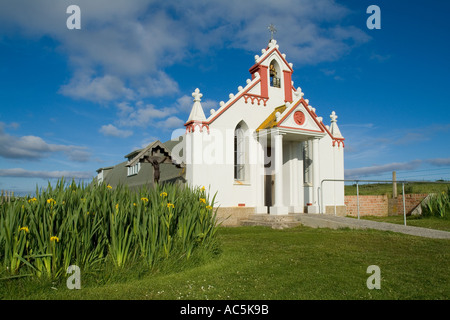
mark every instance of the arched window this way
{"type": "Point", "coordinates": [240, 151]}
{"type": "Point", "coordinates": [274, 72]}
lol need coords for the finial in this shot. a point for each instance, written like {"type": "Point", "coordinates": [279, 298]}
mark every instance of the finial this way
{"type": "Point", "coordinates": [333, 117]}
{"type": "Point", "coordinates": [197, 95]}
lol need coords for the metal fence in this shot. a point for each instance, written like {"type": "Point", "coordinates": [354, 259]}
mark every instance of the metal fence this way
{"type": "Point", "coordinates": [358, 181]}
{"type": "Point", "coordinates": [6, 196]}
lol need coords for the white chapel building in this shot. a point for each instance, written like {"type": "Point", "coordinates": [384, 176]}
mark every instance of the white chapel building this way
{"type": "Point", "coordinates": [265, 150]}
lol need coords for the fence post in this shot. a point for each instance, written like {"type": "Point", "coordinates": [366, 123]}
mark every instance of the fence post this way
{"type": "Point", "coordinates": [394, 185]}
{"type": "Point", "coordinates": [404, 205]}
{"type": "Point", "coordinates": [357, 197]}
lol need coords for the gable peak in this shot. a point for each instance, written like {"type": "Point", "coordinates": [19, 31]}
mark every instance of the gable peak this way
{"type": "Point", "coordinates": [334, 129]}
{"type": "Point", "coordinates": [269, 52]}
{"type": "Point", "coordinates": [197, 113]}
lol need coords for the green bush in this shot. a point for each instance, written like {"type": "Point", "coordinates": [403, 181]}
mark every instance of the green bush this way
{"type": "Point", "coordinates": [91, 225]}
{"type": "Point", "coordinates": [437, 205]}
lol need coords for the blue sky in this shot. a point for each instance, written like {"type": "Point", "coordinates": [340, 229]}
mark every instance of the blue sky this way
{"type": "Point", "coordinates": [73, 101]}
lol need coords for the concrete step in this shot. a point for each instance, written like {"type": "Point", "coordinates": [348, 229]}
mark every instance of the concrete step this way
{"type": "Point", "coordinates": [273, 221]}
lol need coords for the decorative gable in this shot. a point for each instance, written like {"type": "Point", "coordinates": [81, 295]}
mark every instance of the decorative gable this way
{"type": "Point", "coordinates": [274, 70]}
{"type": "Point", "coordinates": [156, 150]}
{"type": "Point", "coordinates": [300, 117]}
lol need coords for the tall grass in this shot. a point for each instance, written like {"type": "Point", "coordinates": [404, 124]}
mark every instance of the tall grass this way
{"type": "Point", "coordinates": [437, 205]}
{"type": "Point", "coordinates": [90, 225]}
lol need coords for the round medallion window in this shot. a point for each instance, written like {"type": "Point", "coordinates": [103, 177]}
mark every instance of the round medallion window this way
{"type": "Point", "coordinates": [299, 118]}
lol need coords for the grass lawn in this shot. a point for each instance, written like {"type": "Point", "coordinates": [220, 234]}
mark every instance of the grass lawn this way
{"type": "Point", "coordinates": [415, 221]}
{"type": "Point", "coordinates": [289, 264]}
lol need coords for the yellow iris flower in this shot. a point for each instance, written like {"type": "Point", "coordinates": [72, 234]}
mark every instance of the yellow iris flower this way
{"type": "Point", "coordinates": [24, 229]}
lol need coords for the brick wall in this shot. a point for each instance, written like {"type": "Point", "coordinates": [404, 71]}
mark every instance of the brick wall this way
{"type": "Point", "coordinates": [411, 201]}
{"type": "Point", "coordinates": [368, 205]}
{"type": "Point", "coordinates": [382, 205]}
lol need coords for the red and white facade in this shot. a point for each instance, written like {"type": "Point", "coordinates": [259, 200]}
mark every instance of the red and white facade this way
{"type": "Point", "coordinates": [266, 147]}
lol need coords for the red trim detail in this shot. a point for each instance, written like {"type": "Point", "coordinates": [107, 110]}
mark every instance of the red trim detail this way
{"type": "Point", "coordinates": [237, 97]}
{"type": "Point", "coordinates": [287, 86]}
{"type": "Point", "coordinates": [241, 204]}
{"type": "Point", "coordinates": [311, 113]}
{"type": "Point", "coordinates": [264, 81]}
{"type": "Point", "coordinates": [339, 141]}
{"type": "Point", "coordinates": [322, 127]}
{"type": "Point", "coordinates": [254, 97]}
{"type": "Point", "coordinates": [190, 126]}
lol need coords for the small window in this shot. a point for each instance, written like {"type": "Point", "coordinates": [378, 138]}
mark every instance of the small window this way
{"type": "Point", "coordinates": [134, 169]}
{"type": "Point", "coordinates": [307, 169]}
{"type": "Point", "coordinates": [274, 72]}
{"type": "Point", "coordinates": [239, 153]}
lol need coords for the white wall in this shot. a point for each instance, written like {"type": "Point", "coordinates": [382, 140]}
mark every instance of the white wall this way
{"type": "Point", "coordinates": [331, 167]}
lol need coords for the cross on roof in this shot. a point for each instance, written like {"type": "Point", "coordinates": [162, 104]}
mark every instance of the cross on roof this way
{"type": "Point", "coordinates": [272, 30]}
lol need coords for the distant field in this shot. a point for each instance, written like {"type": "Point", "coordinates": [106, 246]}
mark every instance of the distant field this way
{"type": "Point", "coordinates": [386, 188]}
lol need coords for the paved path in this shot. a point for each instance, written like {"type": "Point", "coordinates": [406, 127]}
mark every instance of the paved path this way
{"type": "Point", "coordinates": [330, 221]}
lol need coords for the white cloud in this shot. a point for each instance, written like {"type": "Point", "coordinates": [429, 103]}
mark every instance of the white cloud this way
{"type": "Point", "coordinates": [22, 173]}
{"type": "Point", "coordinates": [419, 134]}
{"type": "Point", "coordinates": [396, 166]}
{"type": "Point", "coordinates": [184, 103]}
{"type": "Point", "coordinates": [34, 148]}
{"type": "Point", "coordinates": [159, 84]}
{"type": "Point", "coordinates": [141, 115]}
{"type": "Point", "coordinates": [171, 123]}
{"type": "Point", "coordinates": [98, 89]}
{"type": "Point", "coordinates": [379, 57]}
{"type": "Point", "coordinates": [439, 162]}
{"type": "Point", "coordinates": [124, 48]}
{"type": "Point", "coordinates": [380, 169]}
{"type": "Point", "coordinates": [110, 130]}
